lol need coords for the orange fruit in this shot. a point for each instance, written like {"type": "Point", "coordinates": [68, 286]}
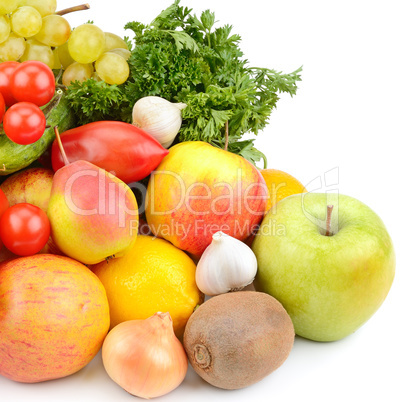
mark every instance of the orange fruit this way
{"type": "Point", "coordinates": [154, 276]}
{"type": "Point", "coordinates": [280, 185]}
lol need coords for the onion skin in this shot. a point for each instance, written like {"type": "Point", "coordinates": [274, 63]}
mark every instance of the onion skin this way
{"type": "Point", "coordinates": [144, 357]}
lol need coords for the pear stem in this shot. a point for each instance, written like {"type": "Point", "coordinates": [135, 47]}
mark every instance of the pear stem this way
{"type": "Point", "coordinates": [72, 9]}
{"type": "Point", "coordinates": [328, 223]}
{"type": "Point", "coordinates": [63, 153]}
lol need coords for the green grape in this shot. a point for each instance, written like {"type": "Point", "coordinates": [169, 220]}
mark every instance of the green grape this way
{"type": "Point", "coordinates": [125, 53]}
{"type": "Point", "coordinates": [13, 48]}
{"type": "Point", "coordinates": [8, 6]}
{"type": "Point", "coordinates": [35, 50]}
{"type": "Point", "coordinates": [112, 68]}
{"type": "Point", "coordinates": [45, 7]}
{"type": "Point", "coordinates": [26, 21]}
{"type": "Point", "coordinates": [64, 55]}
{"type": "Point", "coordinates": [4, 27]}
{"type": "Point", "coordinates": [113, 41]}
{"type": "Point", "coordinates": [77, 72]}
{"type": "Point", "coordinates": [56, 64]}
{"type": "Point", "coordinates": [55, 30]}
{"type": "Point", "coordinates": [86, 43]}
{"type": "Point", "coordinates": [95, 76]}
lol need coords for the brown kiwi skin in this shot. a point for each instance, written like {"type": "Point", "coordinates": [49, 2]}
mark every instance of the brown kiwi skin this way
{"type": "Point", "coordinates": [236, 339]}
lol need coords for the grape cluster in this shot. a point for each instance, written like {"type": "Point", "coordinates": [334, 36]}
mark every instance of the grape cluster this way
{"type": "Point", "coordinates": [92, 53]}
{"type": "Point", "coordinates": [32, 30]}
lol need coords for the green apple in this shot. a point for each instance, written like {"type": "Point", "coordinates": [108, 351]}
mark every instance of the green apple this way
{"type": "Point", "coordinates": [330, 268]}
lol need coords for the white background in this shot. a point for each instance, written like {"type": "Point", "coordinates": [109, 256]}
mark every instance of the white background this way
{"type": "Point", "coordinates": [346, 116]}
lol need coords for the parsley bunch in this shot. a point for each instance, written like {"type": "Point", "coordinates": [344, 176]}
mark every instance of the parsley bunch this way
{"type": "Point", "coordinates": [185, 59]}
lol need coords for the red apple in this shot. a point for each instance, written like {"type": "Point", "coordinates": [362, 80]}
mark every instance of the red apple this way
{"type": "Point", "coordinates": [199, 189]}
{"type": "Point", "coordinates": [54, 316]}
{"type": "Point", "coordinates": [31, 185]}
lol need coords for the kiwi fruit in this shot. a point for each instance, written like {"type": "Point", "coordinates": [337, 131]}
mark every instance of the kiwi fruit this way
{"type": "Point", "coordinates": [234, 340]}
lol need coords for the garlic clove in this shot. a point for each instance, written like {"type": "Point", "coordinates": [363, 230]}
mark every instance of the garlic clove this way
{"type": "Point", "coordinates": [159, 118]}
{"type": "Point", "coordinates": [226, 265]}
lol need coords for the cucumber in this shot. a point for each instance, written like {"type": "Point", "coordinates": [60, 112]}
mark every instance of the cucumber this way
{"type": "Point", "coordinates": [14, 157]}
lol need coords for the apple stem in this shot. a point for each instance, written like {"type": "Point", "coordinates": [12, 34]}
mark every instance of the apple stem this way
{"type": "Point", "coordinates": [329, 214]}
{"type": "Point", "coordinates": [226, 135]}
{"type": "Point", "coordinates": [264, 158]}
{"type": "Point", "coordinates": [63, 153]}
{"type": "Point", "coordinates": [72, 9]}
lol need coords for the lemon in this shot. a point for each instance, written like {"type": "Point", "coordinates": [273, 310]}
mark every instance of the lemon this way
{"type": "Point", "coordinates": [154, 276]}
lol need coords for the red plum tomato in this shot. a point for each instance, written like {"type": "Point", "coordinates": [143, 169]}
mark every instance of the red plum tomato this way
{"type": "Point", "coordinates": [24, 229]}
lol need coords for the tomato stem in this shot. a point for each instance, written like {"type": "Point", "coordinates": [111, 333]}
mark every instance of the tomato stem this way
{"type": "Point", "coordinates": [63, 153]}
{"type": "Point", "coordinates": [72, 9]}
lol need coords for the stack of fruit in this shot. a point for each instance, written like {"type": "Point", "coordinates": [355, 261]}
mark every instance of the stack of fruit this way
{"type": "Point", "coordinates": [114, 239]}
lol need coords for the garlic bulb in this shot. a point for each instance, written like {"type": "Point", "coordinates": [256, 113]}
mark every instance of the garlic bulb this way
{"type": "Point", "coordinates": [227, 264]}
{"type": "Point", "coordinates": [159, 118]}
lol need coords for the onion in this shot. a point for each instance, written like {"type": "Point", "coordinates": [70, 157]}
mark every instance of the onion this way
{"type": "Point", "coordinates": [144, 357]}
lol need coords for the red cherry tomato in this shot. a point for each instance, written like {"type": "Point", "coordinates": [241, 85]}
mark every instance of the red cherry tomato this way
{"type": "Point", "coordinates": [4, 204]}
{"type": "Point", "coordinates": [2, 107]}
{"type": "Point", "coordinates": [6, 70]}
{"type": "Point", "coordinates": [33, 81]}
{"type": "Point", "coordinates": [24, 123]}
{"type": "Point", "coordinates": [24, 229]}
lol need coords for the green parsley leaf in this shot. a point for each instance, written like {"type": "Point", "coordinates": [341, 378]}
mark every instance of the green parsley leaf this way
{"type": "Point", "coordinates": [183, 58]}
{"type": "Point", "coordinates": [94, 100]}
